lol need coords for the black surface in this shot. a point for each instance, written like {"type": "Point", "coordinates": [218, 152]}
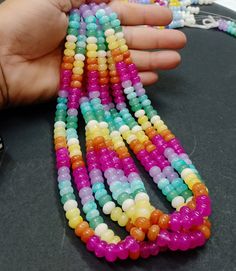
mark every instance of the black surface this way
{"type": "Point", "coordinates": [198, 102]}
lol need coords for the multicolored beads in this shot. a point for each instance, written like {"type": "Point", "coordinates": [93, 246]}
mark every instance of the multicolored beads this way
{"type": "Point", "coordinates": [98, 77]}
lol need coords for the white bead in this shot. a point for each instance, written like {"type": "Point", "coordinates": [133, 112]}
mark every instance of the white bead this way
{"type": "Point", "coordinates": [120, 35]}
{"type": "Point", "coordinates": [114, 133]}
{"type": "Point", "coordinates": [108, 207]}
{"type": "Point", "coordinates": [127, 204]}
{"type": "Point", "coordinates": [141, 196]}
{"type": "Point", "coordinates": [100, 229]}
{"type": "Point", "coordinates": [103, 124]}
{"type": "Point", "coordinates": [59, 124]}
{"type": "Point", "coordinates": [70, 204]}
{"type": "Point", "coordinates": [72, 141]}
{"type": "Point", "coordinates": [136, 128]}
{"type": "Point", "coordinates": [102, 53]}
{"type": "Point", "coordinates": [155, 119]}
{"type": "Point", "coordinates": [80, 57]}
{"type": "Point", "coordinates": [91, 40]}
{"type": "Point", "coordinates": [139, 113]}
{"type": "Point", "coordinates": [124, 128]}
{"type": "Point", "coordinates": [189, 199]}
{"type": "Point", "coordinates": [186, 172]}
{"type": "Point", "coordinates": [92, 123]}
{"type": "Point", "coordinates": [177, 201]}
{"type": "Point", "coordinates": [109, 32]}
{"type": "Point", "coordinates": [71, 38]}
{"type": "Point", "coordinates": [131, 138]}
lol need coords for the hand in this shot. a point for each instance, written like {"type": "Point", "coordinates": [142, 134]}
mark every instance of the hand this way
{"type": "Point", "coordinates": [32, 33]}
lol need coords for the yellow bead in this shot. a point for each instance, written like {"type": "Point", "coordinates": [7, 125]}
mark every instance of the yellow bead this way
{"type": "Point", "coordinates": [78, 70]}
{"type": "Point", "coordinates": [116, 239]}
{"type": "Point", "coordinates": [126, 134]}
{"type": "Point", "coordinates": [123, 220]}
{"type": "Point", "coordinates": [146, 125]}
{"type": "Point", "coordinates": [102, 60]}
{"type": "Point", "coordinates": [142, 212]}
{"type": "Point", "coordinates": [73, 223]}
{"type": "Point", "coordinates": [124, 48]}
{"type": "Point", "coordinates": [110, 60]}
{"type": "Point", "coordinates": [108, 236]}
{"type": "Point", "coordinates": [116, 213]}
{"type": "Point", "coordinates": [190, 177]}
{"type": "Point", "coordinates": [75, 152]}
{"type": "Point", "coordinates": [72, 213]}
{"type": "Point", "coordinates": [69, 52]}
{"type": "Point", "coordinates": [142, 119]}
{"type": "Point", "coordinates": [143, 203]}
{"type": "Point", "coordinates": [131, 211]}
{"type": "Point", "coordinates": [111, 39]}
{"type": "Point", "coordinates": [79, 63]}
{"type": "Point", "coordinates": [143, 138]}
{"type": "Point", "coordinates": [113, 45]}
{"type": "Point", "coordinates": [70, 45]}
{"type": "Point", "coordinates": [102, 67]}
{"type": "Point", "coordinates": [122, 42]}
{"type": "Point", "coordinates": [119, 144]}
{"type": "Point", "coordinates": [92, 54]}
{"type": "Point", "coordinates": [92, 47]}
{"type": "Point", "coordinates": [193, 182]}
{"type": "Point", "coordinates": [58, 134]}
{"type": "Point", "coordinates": [161, 128]}
{"type": "Point", "coordinates": [59, 129]}
{"type": "Point", "coordinates": [74, 148]}
{"type": "Point", "coordinates": [112, 67]}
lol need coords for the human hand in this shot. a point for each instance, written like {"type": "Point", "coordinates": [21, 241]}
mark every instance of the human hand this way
{"type": "Point", "coordinates": [31, 35]}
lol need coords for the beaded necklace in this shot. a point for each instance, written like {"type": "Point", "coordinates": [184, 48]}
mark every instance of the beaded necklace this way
{"type": "Point", "coordinates": [98, 76]}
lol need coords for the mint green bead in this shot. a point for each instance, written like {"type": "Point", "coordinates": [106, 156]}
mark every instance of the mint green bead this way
{"type": "Point", "coordinates": [138, 191]}
{"type": "Point", "coordinates": [115, 23]}
{"type": "Point", "coordinates": [72, 31]}
{"type": "Point", "coordinates": [186, 194]}
{"type": "Point", "coordinates": [62, 100]}
{"type": "Point", "coordinates": [131, 96]}
{"type": "Point", "coordinates": [143, 98]}
{"type": "Point", "coordinates": [181, 188]}
{"type": "Point", "coordinates": [66, 190]}
{"type": "Point", "coordinates": [74, 24]}
{"type": "Point", "coordinates": [113, 16]}
{"type": "Point", "coordinates": [88, 206]}
{"type": "Point", "coordinates": [134, 101]}
{"type": "Point", "coordinates": [72, 125]}
{"type": "Point", "coordinates": [66, 197]}
{"type": "Point", "coordinates": [163, 183]}
{"type": "Point", "coordinates": [118, 29]}
{"type": "Point", "coordinates": [104, 199]}
{"type": "Point", "coordinates": [106, 26]}
{"type": "Point", "coordinates": [115, 186]}
{"type": "Point", "coordinates": [94, 222]}
{"type": "Point", "coordinates": [101, 47]}
{"type": "Point", "coordinates": [122, 197]}
{"type": "Point", "coordinates": [72, 118]}
{"type": "Point", "coordinates": [117, 193]}
{"type": "Point", "coordinates": [100, 13]}
{"type": "Point", "coordinates": [92, 214]}
{"type": "Point", "coordinates": [81, 44]}
{"type": "Point", "coordinates": [59, 118]}
{"type": "Point", "coordinates": [100, 34]}
{"type": "Point", "coordinates": [63, 184]}
{"type": "Point", "coordinates": [146, 102]}
{"type": "Point", "coordinates": [61, 106]}
{"type": "Point", "coordinates": [100, 193]}
{"type": "Point", "coordinates": [91, 33]}
{"type": "Point", "coordinates": [100, 40]}
{"type": "Point", "coordinates": [167, 189]}
{"type": "Point", "coordinates": [97, 186]}
{"type": "Point", "coordinates": [80, 51]}
{"type": "Point", "coordinates": [171, 195]}
{"type": "Point", "coordinates": [91, 26]}
{"type": "Point", "coordinates": [153, 113]}
{"type": "Point", "coordinates": [136, 107]}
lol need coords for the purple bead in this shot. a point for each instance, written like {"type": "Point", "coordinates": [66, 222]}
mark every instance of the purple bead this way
{"type": "Point", "coordinates": [63, 177]}
{"type": "Point", "coordinates": [63, 170]}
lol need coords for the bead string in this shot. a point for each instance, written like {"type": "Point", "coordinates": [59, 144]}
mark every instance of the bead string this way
{"type": "Point", "coordinates": [108, 158]}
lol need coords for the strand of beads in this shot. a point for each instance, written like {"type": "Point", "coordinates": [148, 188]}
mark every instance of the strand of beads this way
{"type": "Point", "coordinates": [106, 153]}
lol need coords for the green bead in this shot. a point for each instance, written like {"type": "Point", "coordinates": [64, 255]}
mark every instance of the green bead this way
{"type": "Point", "coordinates": [88, 206]}
{"type": "Point", "coordinates": [91, 33]}
{"type": "Point", "coordinates": [62, 100]}
{"type": "Point", "coordinates": [122, 197]}
{"type": "Point", "coordinates": [136, 107]}
{"type": "Point", "coordinates": [186, 194]}
{"type": "Point", "coordinates": [101, 47]}
{"type": "Point", "coordinates": [60, 118]}
{"type": "Point", "coordinates": [72, 125]}
{"type": "Point", "coordinates": [170, 196]}
{"type": "Point", "coordinates": [92, 214]}
{"type": "Point", "coordinates": [74, 24]}
{"type": "Point", "coordinates": [139, 190]}
{"type": "Point", "coordinates": [72, 118]}
{"type": "Point", "coordinates": [66, 197]}
{"type": "Point", "coordinates": [94, 222]}
{"type": "Point", "coordinates": [118, 29]}
{"type": "Point", "coordinates": [72, 31]}
{"type": "Point", "coordinates": [104, 199]}
{"type": "Point", "coordinates": [91, 26]}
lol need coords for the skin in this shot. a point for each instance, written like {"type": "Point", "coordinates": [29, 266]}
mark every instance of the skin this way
{"type": "Point", "coordinates": [31, 45]}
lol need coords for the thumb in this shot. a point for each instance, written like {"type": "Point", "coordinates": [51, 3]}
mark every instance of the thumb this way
{"type": "Point", "coordinates": [67, 5]}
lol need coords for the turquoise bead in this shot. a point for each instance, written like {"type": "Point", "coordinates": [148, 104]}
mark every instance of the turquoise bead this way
{"type": "Point", "coordinates": [61, 100]}
{"type": "Point", "coordinates": [97, 186]}
{"type": "Point", "coordinates": [104, 19]}
{"type": "Point", "coordinates": [101, 40]}
{"type": "Point", "coordinates": [82, 38]}
{"type": "Point", "coordinates": [146, 102]}
{"type": "Point", "coordinates": [74, 24]}
{"type": "Point", "coordinates": [181, 188]}
{"type": "Point", "coordinates": [100, 13]}
{"type": "Point", "coordinates": [131, 95]}
{"type": "Point", "coordinates": [92, 214]}
{"type": "Point", "coordinates": [66, 197]}
{"type": "Point", "coordinates": [167, 189]}
{"type": "Point", "coordinates": [91, 205]}
{"type": "Point", "coordinates": [163, 183]}
{"type": "Point", "coordinates": [61, 106]}
{"type": "Point", "coordinates": [115, 185]}
{"type": "Point", "coordinates": [115, 22]}
{"type": "Point", "coordinates": [177, 182]}
{"type": "Point", "coordinates": [81, 44]}
{"type": "Point", "coordinates": [122, 197]}
{"type": "Point", "coordinates": [72, 125]}
{"type": "Point", "coordinates": [104, 199]}
{"type": "Point", "coordinates": [143, 98]}
{"type": "Point", "coordinates": [91, 26]}
{"type": "Point", "coordinates": [171, 195]}
{"type": "Point", "coordinates": [90, 19]}
{"type": "Point", "coordinates": [100, 193]}
{"type": "Point", "coordinates": [113, 16]}
{"type": "Point", "coordinates": [116, 193]}
{"type": "Point", "coordinates": [66, 190]}
{"type": "Point", "coordinates": [74, 17]}
{"type": "Point", "coordinates": [94, 222]}
{"type": "Point", "coordinates": [63, 184]}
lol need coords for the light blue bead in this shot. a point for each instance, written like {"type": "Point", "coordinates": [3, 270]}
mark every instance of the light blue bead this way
{"type": "Point", "coordinates": [91, 205]}
{"type": "Point", "coordinates": [181, 188]}
{"type": "Point", "coordinates": [82, 38]}
{"type": "Point", "coordinates": [177, 182]}
{"type": "Point", "coordinates": [100, 193]}
{"type": "Point", "coordinates": [91, 214]}
{"type": "Point", "coordinates": [163, 183]}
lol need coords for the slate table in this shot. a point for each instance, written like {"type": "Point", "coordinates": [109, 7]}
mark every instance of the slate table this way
{"type": "Point", "coordinates": [198, 102]}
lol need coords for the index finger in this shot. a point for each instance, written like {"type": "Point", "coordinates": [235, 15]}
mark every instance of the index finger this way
{"type": "Point", "coordinates": [138, 14]}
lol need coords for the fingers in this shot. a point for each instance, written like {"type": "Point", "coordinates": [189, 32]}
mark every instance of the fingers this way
{"type": "Point", "coordinates": [148, 78]}
{"type": "Point", "coordinates": [146, 38]}
{"type": "Point", "coordinates": [67, 5]}
{"type": "Point", "coordinates": [163, 60]}
{"type": "Point", "coordinates": [137, 14]}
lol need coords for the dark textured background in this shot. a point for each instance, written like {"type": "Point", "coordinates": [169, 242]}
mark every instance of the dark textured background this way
{"type": "Point", "coordinates": [198, 102]}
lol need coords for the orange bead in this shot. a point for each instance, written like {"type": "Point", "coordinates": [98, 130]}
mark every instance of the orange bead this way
{"type": "Point", "coordinates": [155, 215]}
{"type": "Point", "coordinates": [92, 67]}
{"type": "Point", "coordinates": [60, 139]}
{"type": "Point", "coordinates": [138, 148]}
{"type": "Point", "coordinates": [134, 255]}
{"type": "Point", "coordinates": [76, 77]}
{"type": "Point", "coordinates": [137, 234]}
{"type": "Point", "coordinates": [142, 223]}
{"type": "Point", "coordinates": [205, 230]}
{"type": "Point", "coordinates": [146, 143]}
{"type": "Point", "coordinates": [97, 140]}
{"type": "Point", "coordinates": [165, 132]}
{"type": "Point", "coordinates": [192, 205]}
{"type": "Point", "coordinates": [128, 60]}
{"type": "Point", "coordinates": [115, 52]}
{"type": "Point", "coordinates": [68, 59]}
{"type": "Point", "coordinates": [92, 60]}
{"type": "Point", "coordinates": [164, 221]}
{"type": "Point", "coordinates": [118, 58]}
{"type": "Point", "coordinates": [129, 226]}
{"type": "Point", "coordinates": [76, 158]}
{"type": "Point", "coordinates": [150, 148]}
{"type": "Point", "coordinates": [126, 54]}
{"type": "Point", "coordinates": [67, 66]}
{"type": "Point", "coordinates": [103, 73]}
{"type": "Point", "coordinates": [133, 143]}
{"type": "Point", "coordinates": [153, 232]}
{"type": "Point", "coordinates": [81, 228]}
{"type": "Point", "coordinates": [207, 223]}
{"type": "Point", "coordinates": [86, 235]}
{"type": "Point", "coordinates": [75, 84]}
{"type": "Point", "coordinates": [115, 80]}
{"type": "Point", "coordinates": [104, 80]}
{"type": "Point", "coordinates": [113, 73]}
{"type": "Point", "coordinates": [199, 189]}
{"type": "Point", "coordinates": [169, 137]}
{"type": "Point", "coordinates": [60, 145]}
{"type": "Point", "coordinates": [78, 164]}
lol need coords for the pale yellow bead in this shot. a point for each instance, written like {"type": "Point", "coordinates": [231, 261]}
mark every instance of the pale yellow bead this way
{"type": "Point", "coordinates": [110, 60]}
{"type": "Point", "coordinates": [143, 203]}
{"type": "Point", "coordinates": [92, 47]}
{"type": "Point", "coordinates": [146, 125]}
{"type": "Point", "coordinates": [75, 152]}
{"type": "Point", "coordinates": [59, 129]}
{"type": "Point", "coordinates": [108, 236]}
{"type": "Point", "coordinates": [73, 223]}
{"type": "Point", "coordinates": [91, 54]}
{"type": "Point", "coordinates": [78, 70]}
{"type": "Point", "coordinates": [190, 177]}
{"type": "Point", "coordinates": [142, 212]}
{"type": "Point", "coordinates": [116, 239]}
{"type": "Point", "coordinates": [140, 133]}
{"type": "Point", "coordinates": [158, 123]}
{"type": "Point", "coordinates": [113, 45]}
{"type": "Point", "coordinates": [124, 48]}
{"type": "Point", "coordinates": [70, 45]}
{"type": "Point", "coordinates": [79, 63]}
{"type": "Point", "coordinates": [69, 52]}
{"type": "Point", "coordinates": [122, 42]}
{"type": "Point", "coordinates": [142, 119]}
{"type": "Point", "coordinates": [102, 60]}
{"type": "Point", "coordinates": [131, 211]}
{"type": "Point", "coordinates": [111, 67]}
{"type": "Point", "coordinates": [161, 128]}
{"type": "Point", "coordinates": [123, 220]}
{"type": "Point", "coordinates": [74, 148]}
{"type": "Point", "coordinates": [102, 67]}
{"type": "Point", "coordinates": [116, 213]}
{"type": "Point", "coordinates": [118, 145]}
{"type": "Point", "coordinates": [143, 138]}
{"type": "Point", "coordinates": [192, 183]}
{"type": "Point", "coordinates": [58, 134]}
{"type": "Point", "coordinates": [72, 213]}
{"type": "Point", "coordinates": [111, 39]}
{"type": "Point", "coordinates": [126, 134]}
